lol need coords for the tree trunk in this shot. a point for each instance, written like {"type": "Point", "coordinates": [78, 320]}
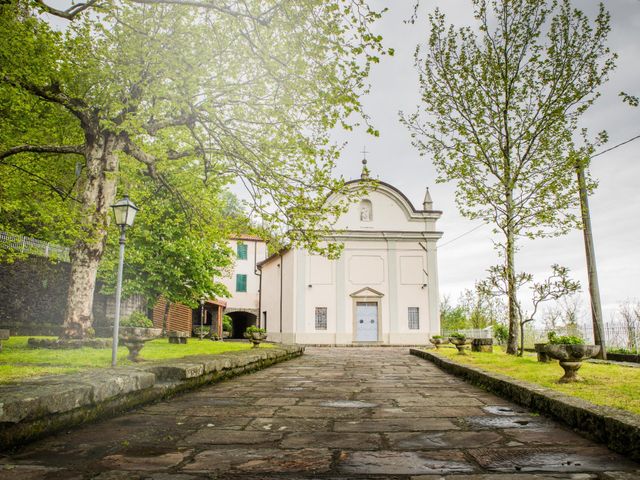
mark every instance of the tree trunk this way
{"type": "Point", "coordinates": [512, 342]}
{"type": "Point", "coordinates": [98, 192]}
{"type": "Point", "coordinates": [165, 316]}
{"type": "Point", "coordinates": [594, 288]}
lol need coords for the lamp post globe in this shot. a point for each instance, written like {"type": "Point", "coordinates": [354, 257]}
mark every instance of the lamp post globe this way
{"type": "Point", "coordinates": [124, 212]}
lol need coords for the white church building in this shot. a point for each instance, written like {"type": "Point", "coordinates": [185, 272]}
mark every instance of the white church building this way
{"type": "Point", "coordinates": [382, 290]}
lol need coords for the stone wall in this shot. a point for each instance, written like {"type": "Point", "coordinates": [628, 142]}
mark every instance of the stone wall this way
{"type": "Point", "coordinates": [33, 295]}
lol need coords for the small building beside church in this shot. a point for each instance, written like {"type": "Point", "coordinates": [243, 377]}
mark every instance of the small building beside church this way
{"type": "Point", "coordinates": [382, 290]}
{"type": "Point", "coordinates": [243, 282]}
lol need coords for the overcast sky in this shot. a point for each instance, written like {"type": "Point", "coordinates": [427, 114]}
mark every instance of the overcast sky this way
{"type": "Point", "coordinates": [615, 204]}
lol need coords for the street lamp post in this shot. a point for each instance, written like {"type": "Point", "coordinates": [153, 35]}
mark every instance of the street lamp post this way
{"type": "Point", "coordinates": [201, 318]}
{"type": "Point", "coordinates": [124, 212]}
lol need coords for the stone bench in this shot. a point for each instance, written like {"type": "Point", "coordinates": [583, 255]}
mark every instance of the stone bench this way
{"type": "Point", "coordinates": [4, 335]}
{"type": "Point", "coordinates": [482, 345]}
{"type": "Point", "coordinates": [178, 337]}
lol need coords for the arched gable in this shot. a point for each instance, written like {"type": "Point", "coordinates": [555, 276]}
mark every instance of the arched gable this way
{"type": "Point", "coordinates": [384, 208]}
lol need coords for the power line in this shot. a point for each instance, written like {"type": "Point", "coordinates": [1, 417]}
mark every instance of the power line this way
{"type": "Point", "coordinates": [615, 146]}
{"type": "Point", "coordinates": [485, 223]}
{"type": "Point", "coordinates": [462, 235]}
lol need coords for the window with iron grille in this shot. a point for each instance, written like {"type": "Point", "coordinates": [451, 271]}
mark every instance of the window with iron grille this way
{"type": "Point", "coordinates": [414, 318]}
{"type": "Point", "coordinates": [321, 318]}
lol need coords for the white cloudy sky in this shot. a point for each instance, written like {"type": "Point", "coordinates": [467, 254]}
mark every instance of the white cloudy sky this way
{"type": "Point", "coordinates": [615, 205]}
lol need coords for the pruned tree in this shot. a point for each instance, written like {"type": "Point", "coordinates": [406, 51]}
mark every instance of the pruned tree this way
{"type": "Point", "coordinates": [499, 107]}
{"type": "Point", "coordinates": [238, 91]}
{"type": "Point", "coordinates": [556, 286]}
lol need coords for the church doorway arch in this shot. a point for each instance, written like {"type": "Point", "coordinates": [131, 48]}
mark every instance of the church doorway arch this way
{"type": "Point", "coordinates": [240, 321]}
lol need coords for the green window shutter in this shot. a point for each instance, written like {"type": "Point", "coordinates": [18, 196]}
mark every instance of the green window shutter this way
{"type": "Point", "coordinates": [241, 283]}
{"type": "Point", "coordinates": [242, 251]}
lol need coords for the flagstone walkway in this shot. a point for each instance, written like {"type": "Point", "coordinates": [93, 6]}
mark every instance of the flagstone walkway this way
{"type": "Point", "coordinates": [333, 413]}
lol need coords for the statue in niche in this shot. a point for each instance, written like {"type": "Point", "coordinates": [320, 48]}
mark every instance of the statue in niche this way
{"type": "Point", "coordinates": [365, 211]}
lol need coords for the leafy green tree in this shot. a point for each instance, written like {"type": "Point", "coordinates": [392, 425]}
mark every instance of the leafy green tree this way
{"type": "Point", "coordinates": [243, 91]}
{"type": "Point", "coordinates": [175, 253]}
{"type": "Point", "coordinates": [452, 317]}
{"type": "Point", "coordinates": [481, 310]}
{"type": "Point", "coordinates": [498, 112]}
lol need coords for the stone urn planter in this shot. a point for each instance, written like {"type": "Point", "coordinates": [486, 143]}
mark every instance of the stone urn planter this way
{"type": "Point", "coordinates": [134, 339]}
{"type": "Point", "coordinates": [540, 349]}
{"type": "Point", "coordinates": [437, 341]}
{"type": "Point", "coordinates": [459, 344]}
{"type": "Point", "coordinates": [571, 357]}
{"type": "Point", "coordinates": [255, 337]}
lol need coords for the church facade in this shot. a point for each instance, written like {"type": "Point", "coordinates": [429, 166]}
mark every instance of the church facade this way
{"type": "Point", "coordinates": [382, 290]}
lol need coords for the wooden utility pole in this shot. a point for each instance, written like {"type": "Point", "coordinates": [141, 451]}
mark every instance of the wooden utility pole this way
{"type": "Point", "coordinates": [594, 289]}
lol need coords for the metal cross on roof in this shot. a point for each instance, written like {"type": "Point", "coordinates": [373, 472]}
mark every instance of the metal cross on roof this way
{"type": "Point", "coordinates": [364, 155]}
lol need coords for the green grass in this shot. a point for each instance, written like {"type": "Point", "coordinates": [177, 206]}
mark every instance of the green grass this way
{"type": "Point", "coordinates": [605, 384]}
{"type": "Point", "coordinates": [18, 360]}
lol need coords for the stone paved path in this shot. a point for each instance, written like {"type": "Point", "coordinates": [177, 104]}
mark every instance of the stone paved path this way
{"type": "Point", "coordinates": [333, 413]}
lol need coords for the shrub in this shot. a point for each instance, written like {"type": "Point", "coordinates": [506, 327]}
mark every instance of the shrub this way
{"type": "Point", "coordinates": [459, 336]}
{"type": "Point", "coordinates": [555, 339]}
{"type": "Point", "coordinates": [624, 351]}
{"type": "Point", "coordinates": [227, 324]}
{"type": "Point", "coordinates": [501, 333]}
{"type": "Point", "coordinates": [204, 330]}
{"type": "Point", "coordinates": [254, 329]}
{"type": "Point", "coordinates": [137, 319]}
{"type": "Point", "coordinates": [436, 336]}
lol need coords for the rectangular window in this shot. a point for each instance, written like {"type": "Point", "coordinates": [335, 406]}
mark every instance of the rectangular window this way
{"type": "Point", "coordinates": [321, 318]}
{"type": "Point", "coordinates": [414, 318]}
{"type": "Point", "coordinates": [241, 283]}
{"type": "Point", "coordinates": [241, 248]}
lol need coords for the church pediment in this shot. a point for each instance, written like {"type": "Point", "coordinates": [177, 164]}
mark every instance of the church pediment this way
{"type": "Point", "coordinates": [367, 292]}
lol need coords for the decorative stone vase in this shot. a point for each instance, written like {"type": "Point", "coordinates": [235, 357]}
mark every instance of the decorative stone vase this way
{"type": "Point", "coordinates": [134, 339]}
{"type": "Point", "coordinates": [438, 341]}
{"type": "Point", "coordinates": [459, 343]}
{"type": "Point", "coordinates": [571, 358]}
{"type": "Point", "coordinates": [256, 338]}
{"type": "Point", "coordinates": [540, 349]}
{"type": "Point", "coordinates": [226, 334]}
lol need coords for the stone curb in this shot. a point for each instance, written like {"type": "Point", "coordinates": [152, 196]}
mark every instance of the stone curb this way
{"type": "Point", "coordinates": [35, 408]}
{"type": "Point", "coordinates": [617, 429]}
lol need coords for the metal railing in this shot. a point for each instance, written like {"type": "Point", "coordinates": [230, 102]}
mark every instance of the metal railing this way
{"type": "Point", "coordinates": [471, 332]}
{"type": "Point", "coordinates": [33, 246]}
{"type": "Point", "coordinates": [617, 335]}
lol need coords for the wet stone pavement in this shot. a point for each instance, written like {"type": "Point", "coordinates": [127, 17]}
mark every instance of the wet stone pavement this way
{"type": "Point", "coordinates": [332, 413]}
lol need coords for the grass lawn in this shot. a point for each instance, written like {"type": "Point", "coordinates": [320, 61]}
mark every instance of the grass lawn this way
{"type": "Point", "coordinates": [605, 384]}
{"type": "Point", "coordinates": [17, 360]}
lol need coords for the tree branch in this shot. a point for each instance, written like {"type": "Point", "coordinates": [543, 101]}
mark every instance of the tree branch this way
{"type": "Point", "coordinates": [74, 149]}
{"type": "Point", "coordinates": [53, 94]}
{"type": "Point", "coordinates": [261, 18]}
{"type": "Point", "coordinates": [70, 13]}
